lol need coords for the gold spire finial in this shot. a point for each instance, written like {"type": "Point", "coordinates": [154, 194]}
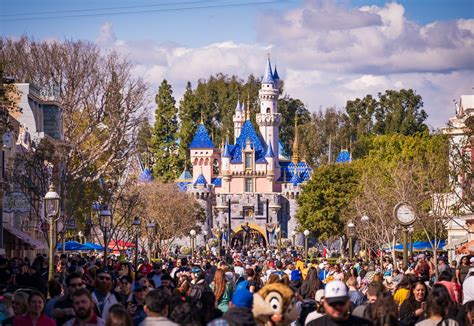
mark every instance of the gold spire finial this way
{"type": "Point", "coordinates": [247, 117]}
{"type": "Point", "coordinates": [296, 143]}
{"type": "Point", "coordinates": [202, 117]}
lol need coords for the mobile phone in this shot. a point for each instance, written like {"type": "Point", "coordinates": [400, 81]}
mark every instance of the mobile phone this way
{"type": "Point", "coordinates": [423, 305]}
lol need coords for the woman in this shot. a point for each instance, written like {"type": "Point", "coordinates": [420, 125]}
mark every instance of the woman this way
{"type": "Point", "coordinates": [387, 267]}
{"type": "Point", "coordinates": [253, 285]}
{"type": "Point", "coordinates": [462, 269]}
{"type": "Point", "coordinates": [35, 315]}
{"type": "Point", "coordinates": [136, 304]}
{"type": "Point", "coordinates": [19, 306]}
{"type": "Point", "coordinates": [222, 291]}
{"type": "Point", "coordinates": [118, 316]}
{"type": "Point", "coordinates": [384, 311]}
{"type": "Point", "coordinates": [402, 290]}
{"type": "Point", "coordinates": [355, 296]}
{"type": "Point", "coordinates": [413, 309]}
{"type": "Point", "coordinates": [310, 285]}
{"type": "Point", "coordinates": [438, 304]}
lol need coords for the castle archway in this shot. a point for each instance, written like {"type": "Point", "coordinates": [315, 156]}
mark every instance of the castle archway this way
{"type": "Point", "coordinates": [257, 235]}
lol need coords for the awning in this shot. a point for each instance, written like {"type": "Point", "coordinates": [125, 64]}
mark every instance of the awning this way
{"type": "Point", "coordinates": [455, 243]}
{"type": "Point", "coordinates": [28, 239]}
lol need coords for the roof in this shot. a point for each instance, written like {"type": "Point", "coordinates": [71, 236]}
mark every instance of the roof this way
{"type": "Point", "coordinates": [275, 74]}
{"type": "Point", "coordinates": [343, 157]}
{"type": "Point", "coordinates": [248, 132]}
{"type": "Point", "coordinates": [282, 153]}
{"type": "Point", "coordinates": [183, 186]}
{"type": "Point", "coordinates": [287, 171]}
{"type": "Point", "coordinates": [295, 179]}
{"type": "Point", "coordinates": [270, 151]}
{"type": "Point", "coordinates": [145, 176]}
{"type": "Point", "coordinates": [238, 107]}
{"type": "Point", "coordinates": [268, 76]}
{"type": "Point", "coordinates": [200, 181]}
{"type": "Point", "coordinates": [185, 177]}
{"type": "Point", "coordinates": [226, 152]}
{"type": "Point", "coordinates": [201, 138]}
{"type": "Point", "coordinates": [217, 182]}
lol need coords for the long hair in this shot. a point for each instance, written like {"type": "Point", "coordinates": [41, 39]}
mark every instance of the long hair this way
{"type": "Point", "coordinates": [384, 311]}
{"type": "Point", "coordinates": [439, 301]}
{"type": "Point", "coordinates": [310, 285]}
{"type": "Point", "coordinates": [219, 284]}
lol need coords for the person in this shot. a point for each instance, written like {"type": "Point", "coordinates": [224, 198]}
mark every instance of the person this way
{"type": "Point", "coordinates": [438, 304]}
{"type": "Point", "coordinates": [384, 311]}
{"type": "Point", "coordinates": [184, 313]}
{"type": "Point", "coordinates": [222, 291]}
{"type": "Point", "coordinates": [157, 308]}
{"type": "Point", "coordinates": [468, 287]}
{"type": "Point", "coordinates": [445, 279]}
{"type": "Point", "coordinates": [422, 268]}
{"type": "Point", "coordinates": [124, 290]}
{"type": "Point", "coordinates": [35, 315]}
{"type": "Point", "coordinates": [84, 310]}
{"type": "Point", "coordinates": [318, 312]}
{"type": "Point", "coordinates": [413, 309]}
{"type": "Point", "coordinates": [19, 305]}
{"type": "Point", "coordinates": [102, 295]}
{"type": "Point", "coordinates": [136, 303]}
{"type": "Point", "coordinates": [118, 316]}
{"type": "Point", "coordinates": [63, 309]}
{"type": "Point", "coordinates": [355, 296]}
{"type": "Point", "coordinates": [246, 233]}
{"type": "Point", "coordinates": [55, 290]}
{"type": "Point", "coordinates": [374, 289]}
{"type": "Point", "coordinates": [145, 268]}
{"type": "Point", "coordinates": [310, 285]}
{"type": "Point", "coordinates": [402, 290]}
{"type": "Point", "coordinates": [166, 283]}
{"type": "Point", "coordinates": [337, 307]}
{"type": "Point", "coordinates": [463, 269]}
{"type": "Point", "coordinates": [240, 311]}
{"type": "Point", "coordinates": [156, 275]}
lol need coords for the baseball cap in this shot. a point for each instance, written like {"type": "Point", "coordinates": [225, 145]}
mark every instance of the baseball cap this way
{"type": "Point", "coordinates": [471, 260]}
{"type": "Point", "coordinates": [335, 291]}
{"type": "Point", "coordinates": [242, 299]}
{"type": "Point", "coordinates": [319, 295]}
{"type": "Point", "coordinates": [137, 286]}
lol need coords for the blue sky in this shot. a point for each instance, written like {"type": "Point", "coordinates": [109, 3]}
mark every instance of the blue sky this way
{"type": "Point", "coordinates": [329, 51]}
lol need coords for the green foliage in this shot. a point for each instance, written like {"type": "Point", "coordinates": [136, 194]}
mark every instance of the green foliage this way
{"type": "Point", "coordinates": [288, 107]}
{"type": "Point", "coordinates": [164, 141]}
{"type": "Point", "coordinates": [325, 199]}
{"type": "Point", "coordinates": [143, 142]}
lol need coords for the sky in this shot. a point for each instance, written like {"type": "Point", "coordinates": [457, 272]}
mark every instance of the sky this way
{"type": "Point", "coordinates": [327, 51]}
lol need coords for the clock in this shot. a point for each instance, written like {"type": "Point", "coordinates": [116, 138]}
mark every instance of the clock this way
{"type": "Point", "coordinates": [404, 214]}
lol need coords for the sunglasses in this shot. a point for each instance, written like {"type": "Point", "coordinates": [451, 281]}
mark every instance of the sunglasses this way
{"type": "Point", "coordinates": [104, 278]}
{"type": "Point", "coordinates": [338, 304]}
{"type": "Point", "coordinates": [75, 285]}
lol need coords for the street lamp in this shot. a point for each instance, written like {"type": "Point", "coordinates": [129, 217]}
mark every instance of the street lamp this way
{"type": "Point", "coordinates": [151, 229]}
{"type": "Point", "coordinates": [105, 221]}
{"type": "Point", "coordinates": [204, 236]}
{"type": "Point", "coordinates": [51, 204]}
{"type": "Point", "coordinates": [192, 233]}
{"type": "Point", "coordinates": [306, 234]}
{"type": "Point", "coordinates": [350, 232]}
{"type": "Point", "coordinates": [293, 236]}
{"type": "Point", "coordinates": [136, 226]}
{"type": "Point", "coordinates": [365, 220]}
{"type": "Point", "coordinates": [411, 229]}
{"type": "Point", "coordinates": [278, 233]}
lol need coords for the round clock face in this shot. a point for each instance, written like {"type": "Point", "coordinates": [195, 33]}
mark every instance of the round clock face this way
{"type": "Point", "coordinates": [404, 214]}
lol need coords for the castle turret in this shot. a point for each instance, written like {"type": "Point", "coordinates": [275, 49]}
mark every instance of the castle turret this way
{"type": "Point", "coordinates": [203, 153]}
{"type": "Point", "coordinates": [239, 119]}
{"type": "Point", "coordinates": [270, 157]}
{"type": "Point", "coordinates": [269, 119]}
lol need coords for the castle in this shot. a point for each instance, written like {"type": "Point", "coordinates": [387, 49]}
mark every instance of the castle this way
{"type": "Point", "coordinates": [251, 180]}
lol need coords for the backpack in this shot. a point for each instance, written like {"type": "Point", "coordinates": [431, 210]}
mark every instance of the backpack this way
{"type": "Point", "coordinates": [306, 307]}
{"type": "Point", "coordinates": [243, 284]}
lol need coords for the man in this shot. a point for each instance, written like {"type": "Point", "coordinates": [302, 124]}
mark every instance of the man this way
{"type": "Point", "coordinates": [337, 305]}
{"type": "Point", "coordinates": [324, 273]}
{"type": "Point", "coordinates": [84, 310]}
{"type": "Point", "coordinates": [145, 268]}
{"type": "Point", "coordinates": [135, 305]}
{"type": "Point", "coordinates": [125, 289]}
{"type": "Point", "coordinates": [468, 287]}
{"type": "Point", "coordinates": [156, 274]}
{"type": "Point", "coordinates": [157, 308]}
{"type": "Point", "coordinates": [102, 295]}
{"type": "Point", "coordinates": [63, 309]}
{"type": "Point", "coordinates": [318, 312]}
{"type": "Point", "coordinates": [373, 291]}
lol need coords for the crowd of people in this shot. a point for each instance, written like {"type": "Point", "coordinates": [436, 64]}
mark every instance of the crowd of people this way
{"type": "Point", "coordinates": [229, 290]}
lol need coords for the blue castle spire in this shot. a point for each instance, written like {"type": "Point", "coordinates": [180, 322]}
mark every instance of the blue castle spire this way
{"type": "Point", "coordinates": [226, 150]}
{"type": "Point", "coordinates": [295, 179]}
{"type": "Point", "coordinates": [201, 138]}
{"type": "Point", "coordinates": [200, 181]}
{"type": "Point", "coordinates": [275, 74]}
{"type": "Point", "coordinates": [238, 107]}
{"type": "Point", "coordinates": [268, 76]}
{"type": "Point", "coordinates": [270, 151]}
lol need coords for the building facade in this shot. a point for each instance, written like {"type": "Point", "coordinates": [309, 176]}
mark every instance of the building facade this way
{"type": "Point", "coordinates": [249, 182]}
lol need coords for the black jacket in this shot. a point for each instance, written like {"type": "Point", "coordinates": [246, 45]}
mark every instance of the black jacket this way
{"type": "Point", "coordinates": [239, 317]}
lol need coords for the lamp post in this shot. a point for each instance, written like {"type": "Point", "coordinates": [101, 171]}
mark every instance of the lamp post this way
{"type": "Point", "coordinates": [105, 221]}
{"type": "Point", "coordinates": [51, 204]}
{"type": "Point", "coordinates": [293, 236]}
{"type": "Point", "coordinates": [350, 232]}
{"type": "Point", "coordinates": [306, 234]}
{"type": "Point", "coordinates": [365, 220]}
{"type": "Point", "coordinates": [204, 236]}
{"type": "Point", "coordinates": [192, 234]}
{"type": "Point", "coordinates": [278, 233]}
{"type": "Point", "coordinates": [405, 216]}
{"type": "Point", "coordinates": [411, 229]}
{"type": "Point", "coordinates": [151, 230]}
{"type": "Point", "coordinates": [136, 226]}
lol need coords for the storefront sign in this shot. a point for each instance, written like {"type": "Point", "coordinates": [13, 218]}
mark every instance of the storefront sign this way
{"type": "Point", "coordinates": [16, 202]}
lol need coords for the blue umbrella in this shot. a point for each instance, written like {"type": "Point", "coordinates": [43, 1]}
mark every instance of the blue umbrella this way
{"type": "Point", "coordinates": [70, 246]}
{"type": "Point", "coordinates": [92, 246]}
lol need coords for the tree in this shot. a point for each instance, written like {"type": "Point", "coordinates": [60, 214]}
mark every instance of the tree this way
{"type": "Point", "coordinates": [324, 201]}
{"type": "Point", "coordinates": [164, 143]}
{"type": "Point", "coordinates": [143, 143]}
{"type": "Point", "coordinates": [102, 106]}
{"type": "Point", "coordinates": [188, 116]}
{"type": "Point", "coordinates": [289, 107]}
{"type": "Point", "coordinates": [174, 213]}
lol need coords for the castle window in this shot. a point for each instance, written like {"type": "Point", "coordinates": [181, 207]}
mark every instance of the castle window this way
{"type": "Point", "coordinates": [215, 167]}
{"type": "Point", "coordinates": [248, 161]}
{"type": "Point", "coordinates": [248, 185]}
{"type": "Point", "coordinates": [268, 110]}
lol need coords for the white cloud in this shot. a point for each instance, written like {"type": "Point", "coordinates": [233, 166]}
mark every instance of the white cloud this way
{"type": "Point", "coordinates": [327, 53]}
